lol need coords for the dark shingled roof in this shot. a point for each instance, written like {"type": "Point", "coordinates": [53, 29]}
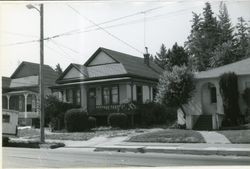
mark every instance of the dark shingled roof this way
{"type": "Point", "coordinates": [240, 68]}
{"type": "Point", "coordinates": [125, 65]}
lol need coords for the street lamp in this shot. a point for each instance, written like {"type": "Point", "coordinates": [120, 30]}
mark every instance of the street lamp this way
{"type": "Point", "coordinates": [41, 86]}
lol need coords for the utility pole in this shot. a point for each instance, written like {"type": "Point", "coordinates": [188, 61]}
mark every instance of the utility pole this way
{"type": "Point", "coordinates": [42, 138]}
{"type": "Point", "coordinates": [41, 86]}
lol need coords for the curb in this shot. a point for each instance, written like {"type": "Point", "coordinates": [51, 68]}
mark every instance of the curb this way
{"type": "Point", "coordinates": [175, 150]}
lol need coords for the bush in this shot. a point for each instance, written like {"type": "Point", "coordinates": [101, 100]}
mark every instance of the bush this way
{"type": "Point", "coordinates": [91, 122]}
{"type": "Point", "coordinates": [230, 96]}
{"type": "Point", "coordinates": [76, 120]}
{"type": "Point", "coordinates": [154, 113]}
{"type": "Point", "coordinates": [5, 140]}
{"type": "Point", "coordinates": [118, 120]}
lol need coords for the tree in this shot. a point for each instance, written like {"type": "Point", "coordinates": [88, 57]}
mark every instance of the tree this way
{"type": "Point", "coordinates": [230, 96]}
{"type": "Point", "coordinates": [242, 38]}
{"type": "Point", "coordinates": [175, 87]}
{"type": "Point", "coordinates": [177, 56]}
{"type": "Point", "coordinates": [161, 57]}
{"type": "Point", "coordinates": [58, 69]}
{"type": "Point", "coordinates": [225, 26]}
{"type": "Point", "coordinates": [203, 38]}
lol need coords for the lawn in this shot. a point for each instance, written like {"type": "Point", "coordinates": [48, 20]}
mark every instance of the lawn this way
{"type": "Point", "coordinates": [237, 136]}
{"type": "Point", "coordinates": [170, 136]}
{"type": "Point", "coordinates": [31, 133]}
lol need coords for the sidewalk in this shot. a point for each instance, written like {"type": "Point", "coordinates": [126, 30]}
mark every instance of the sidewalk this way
{"type": "Point", "coordinates": [119, 144]}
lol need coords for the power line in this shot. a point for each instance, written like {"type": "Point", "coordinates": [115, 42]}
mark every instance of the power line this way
{"type": "Point", "coordinates": [105, 30]}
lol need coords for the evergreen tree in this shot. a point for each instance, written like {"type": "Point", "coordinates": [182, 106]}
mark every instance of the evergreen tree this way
{"type": "Point", "coordinates": [161, 57]}
{"type": "Point", "coordinates": [225, 26]}
{"type": "Point", "coordinates": [193, 46]}
{"type": "Point", "coordinates": [242, 38]}
{"type": "Point", "coordinates": [58, 69]}
{"type": "Point", "coordinates": [177, 57]}
{"type": "Point", "coordinates": [224, 52]}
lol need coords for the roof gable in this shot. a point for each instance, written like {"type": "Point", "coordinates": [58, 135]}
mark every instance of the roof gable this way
{"type": "Point", "coordinates": [73, 73]}
{"type": "Point", "coordinates": [100, 59]}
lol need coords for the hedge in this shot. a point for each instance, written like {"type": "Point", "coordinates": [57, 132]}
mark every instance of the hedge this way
{"type": "Point", "coordinates": [118, 120]}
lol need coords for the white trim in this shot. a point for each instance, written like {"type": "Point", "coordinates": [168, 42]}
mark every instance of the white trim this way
{"type": "Point", "coordinates": [91, 81]}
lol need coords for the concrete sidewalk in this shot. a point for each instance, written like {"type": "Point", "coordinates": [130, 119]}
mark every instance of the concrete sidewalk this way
{"type": "Point", "coordinates": [119, 144]}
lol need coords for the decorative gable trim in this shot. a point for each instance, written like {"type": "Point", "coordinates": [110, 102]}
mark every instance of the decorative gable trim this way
{"type": "Point", "coordinates": [61, 77]}
{"type": "Point", "coordinates": [99, 50]}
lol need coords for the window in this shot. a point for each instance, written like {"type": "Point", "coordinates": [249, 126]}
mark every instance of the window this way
{"type": "Point", "coordinates": [154, 92]}
{"type": "Point", "coordinates": [139, 94]}
{"type": "Point", "coordinates": [110, 95]}
{"type": "Point", "coordinates": [6, 118]}
{"type": "Point", "coordinates": [77, 96]}
{"type": "Point", "coordinates": [114, 95]}
{"type": "Point", "coordinates": [106, 96]}
{"type": "Point", "coordinates": [213, 95]}
{"type": "Point", "coordinates": [69, 95]}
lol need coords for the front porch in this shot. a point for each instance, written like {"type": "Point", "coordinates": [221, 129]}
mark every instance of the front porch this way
{"type": "Point", "coordinates": [25, 102]}
{"type": "Point", "coordinates": [105, 96]}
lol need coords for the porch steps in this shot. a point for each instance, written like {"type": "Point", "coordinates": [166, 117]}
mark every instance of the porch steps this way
{"type": "Point", "coordinates": [204, 122]}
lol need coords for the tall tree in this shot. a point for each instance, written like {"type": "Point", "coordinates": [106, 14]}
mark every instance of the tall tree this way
{"type": "Point", "coordinates": [177, 56]}
{"type": "Point", "coordinates": [225, 25]}
{"type": "Point", "coordinates": [242, 38]}
{"type": "Point", "coordinates": [224, 53]}
{"type": "Point", "coordinates": [58, 69]}
{"type": "Point", "coordinates": [161, 57]}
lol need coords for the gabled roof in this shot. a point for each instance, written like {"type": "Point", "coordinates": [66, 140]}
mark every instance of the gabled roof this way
{"type": "Point", "coordinates": [240, 68]}
{"type": "Point", "coordinates": [82, 70]}
{"type": "Point", "coordinates": [124, 65]}
{"type": "Point", "coordinates": [31, 69]}
{"type": "Point", "coordinates": [132, 64]}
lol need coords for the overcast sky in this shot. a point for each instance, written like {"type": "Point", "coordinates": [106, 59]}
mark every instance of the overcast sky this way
{"type": "Point", "coordinates": [168, 22]}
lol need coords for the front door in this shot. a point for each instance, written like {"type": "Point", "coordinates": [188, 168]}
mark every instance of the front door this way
{"type": "Point", "coordinates": [91, 99]}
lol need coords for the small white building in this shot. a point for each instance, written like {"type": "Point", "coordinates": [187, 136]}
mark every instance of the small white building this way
{"type": "Point", "coordinates": [205, 110]}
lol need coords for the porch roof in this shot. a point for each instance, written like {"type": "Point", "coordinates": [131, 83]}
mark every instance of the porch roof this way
{"type": "Point", "coordinates": [240, 68]}
{"type": "Point", "coordinates": [19, 92]}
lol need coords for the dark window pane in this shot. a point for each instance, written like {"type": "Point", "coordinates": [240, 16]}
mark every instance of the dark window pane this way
{"type": "Point", "coordinates": [213, 95]}
{"type": "Point", "coordinates": [6, 118]}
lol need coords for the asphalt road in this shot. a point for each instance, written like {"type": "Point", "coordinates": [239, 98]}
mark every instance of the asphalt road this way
{"type": "Point", "coordinates": [75, 157]}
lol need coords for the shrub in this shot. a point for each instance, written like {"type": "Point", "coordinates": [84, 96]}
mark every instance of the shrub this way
{"type": "Point", "coordinates": [118, 120]}
{"type": "Point", "coordinates": [76, 120]}
{"type": "Point", "coordinates": [55, 111]}
{"type": "Point", "coordinates": [230, 96]}
{"type": "Point", "coordinates": [5, 140]}
{"type": "Point", "coordinates": [91, 122]}
{"type": "Point", "coordinates": [154, 113]}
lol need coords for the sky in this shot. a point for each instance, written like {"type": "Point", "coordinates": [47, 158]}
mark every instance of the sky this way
{"type": "Point", "coordinates": [125, 26]}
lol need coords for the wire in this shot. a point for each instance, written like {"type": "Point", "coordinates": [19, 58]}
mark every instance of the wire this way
{"type": "Point", "coordinates": [66, 47]}
{"type": "Point", "coordinates": [20, 43]}
{"type": "Point", "coordinates": [104, 29]}
{"type": "Point", "coordinates": [18, 34]}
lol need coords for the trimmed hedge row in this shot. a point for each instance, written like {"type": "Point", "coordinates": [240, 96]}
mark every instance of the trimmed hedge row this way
{"type": "Point", "coordinates": [118, 120]}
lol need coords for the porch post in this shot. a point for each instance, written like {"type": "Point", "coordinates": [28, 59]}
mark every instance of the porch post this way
{"type": "Point", "coordinates": [8, 102]}
{"type": "Point", "coordinates": [132, 91]}
{"type": "Point", "coordinates": [149, 91]}
{"type": "Point", "coordinates": [25, 105]}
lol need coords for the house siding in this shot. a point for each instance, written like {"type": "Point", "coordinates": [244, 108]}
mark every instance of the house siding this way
{"type": "Point", "coordinates": [101, 58]}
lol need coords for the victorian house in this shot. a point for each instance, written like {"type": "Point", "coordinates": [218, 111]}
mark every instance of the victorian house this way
{"type": "Point", "coordinates": [108, 79]}
{"type": "Point", "coordinates": [20, 91]}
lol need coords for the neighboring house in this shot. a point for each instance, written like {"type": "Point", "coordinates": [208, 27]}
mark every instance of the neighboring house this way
{"type": "Point", "coordinates": [108, 79]}
{"type": "Point", "coordinates": [205, 110]}
{"type": "Point", "coordinates": [20, 91]}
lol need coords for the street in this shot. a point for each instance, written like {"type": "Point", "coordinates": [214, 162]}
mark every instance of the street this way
{"type": "Point", "coordinates": [83, 157]}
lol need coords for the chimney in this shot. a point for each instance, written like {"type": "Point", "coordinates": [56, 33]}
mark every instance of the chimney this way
{"type": "Point", "coordinates": [146, 57]}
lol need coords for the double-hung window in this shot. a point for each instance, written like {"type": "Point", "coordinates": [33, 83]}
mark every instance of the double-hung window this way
{"type": "Point", "coordinates": [110, 95]}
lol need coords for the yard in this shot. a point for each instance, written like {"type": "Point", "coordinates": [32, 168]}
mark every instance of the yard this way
{"type": "Point", "coordinates": [31, 133]}
{"type": "Point", "coordinates": [237, 136]}
{"type": "Point", "coordinates": [170, 136]}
